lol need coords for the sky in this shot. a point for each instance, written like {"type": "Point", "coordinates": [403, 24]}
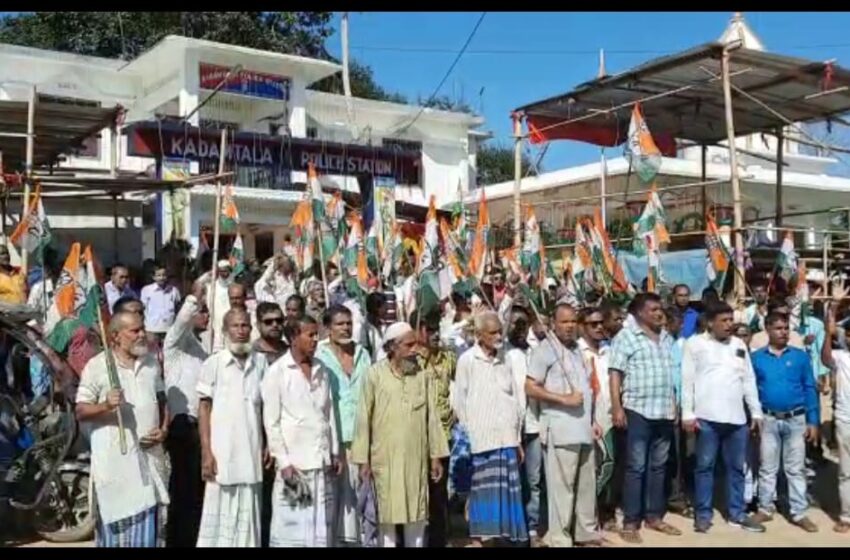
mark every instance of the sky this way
{"type": "Point", "coordinates": [516, 58]}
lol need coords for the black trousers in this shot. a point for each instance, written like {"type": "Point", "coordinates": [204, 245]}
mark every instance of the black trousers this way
{"type": "Point", "coordinates": [680, 469]}
{"type": "Point", "coordinates": [186, 488]}
{"type": "Point", "coordinates": [266, 507]}
{"type": "Point", "coordinates": [438, 505]}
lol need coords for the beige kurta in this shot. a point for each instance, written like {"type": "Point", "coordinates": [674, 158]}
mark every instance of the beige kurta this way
{"type": "Point", "coordinates": [398, 430]}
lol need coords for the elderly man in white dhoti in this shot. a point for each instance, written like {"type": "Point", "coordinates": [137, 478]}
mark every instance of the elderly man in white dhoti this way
{"type": "Point", "coordinates": [131, 488]}
{"type": "Point", "coordinates": [301, 429]}
{"type": "Point", "coordinates": [230, 421]}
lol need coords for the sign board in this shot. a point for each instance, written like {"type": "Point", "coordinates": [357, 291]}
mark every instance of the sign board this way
{"type": "Point", "coordinates": [263, 150]}
{"type": "Point", "coordinates": [245, 82]}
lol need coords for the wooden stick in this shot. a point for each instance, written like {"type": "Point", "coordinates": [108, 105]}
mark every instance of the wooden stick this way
{"type": "Point", "coordinates": [29, 164]}
{"type": "Point", "coordinates": [740, 289]}
{"type": "Point", "coordinates": [216, 228]}
{"type": "Point", "coordinates": [112, 374]}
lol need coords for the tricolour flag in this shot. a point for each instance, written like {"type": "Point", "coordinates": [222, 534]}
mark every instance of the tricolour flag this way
{"type": "Point", "coordinates": [356, 266]}
{"type": "Point", "coordinates": [302, 221]}
{"type": "Point", "coordinates": [718, 255]}
{"type": "Point", "coordinates": [481, 241]}
{"type": "Point", "coordinates": [644, 155]}
{"type": "Point", "coordinates": [431, 240]}
{"type": "Point", "coordinates": [652, 222]}
{"type": "Point", "coordinates": [33, 231]}
{"type": "Point", "coordinates": [237, 256]}
{"type": "Point", "coordinates": [229, 212]}
{"type": "Point", "coordinates": [530, 253]}
{"type": "Point", "coordinates": [75, 300]}
{"type": "Point", "coordinates": [786, 261]}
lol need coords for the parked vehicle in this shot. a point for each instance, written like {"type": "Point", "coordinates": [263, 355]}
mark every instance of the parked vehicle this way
{"type": "Point", "coordinates": [45, 482]}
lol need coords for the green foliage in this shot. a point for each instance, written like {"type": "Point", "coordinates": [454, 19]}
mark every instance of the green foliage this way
{"type": "Point", "coordinates": [496, 164]}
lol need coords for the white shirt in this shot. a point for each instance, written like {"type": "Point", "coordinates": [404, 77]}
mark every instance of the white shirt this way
{"type": "Point", "coordinates": [372, 338]}
{"type": "Point", "coordinates": [183, 356]}
{"type": "Point", "coordinates": [519, 366]}
{"type": "Point", "coordinates": [274, 287]}
{"type": "Point", "coordinates": [160, 306]}
{"type": "Point", "coordinates": [236, 419]}
{"type": "Point", "coordinates": [126, 484]}
{"type": "Point", "coordinates": [218, 291]}
{"type": "Point", "coordinates": [486, 400]}
{"type": "Point", "coordinates": [842, 384]}
{"type": "Point", "coordinates": [598, 362]}
{"type": "Point", "coordinates": [717, 378]}
{"type": "Point", "coordinates": [298, 415]}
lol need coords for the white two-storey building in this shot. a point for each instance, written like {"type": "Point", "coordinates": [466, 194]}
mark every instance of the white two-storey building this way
{"type": "Point", "coordinates": [275, 124]}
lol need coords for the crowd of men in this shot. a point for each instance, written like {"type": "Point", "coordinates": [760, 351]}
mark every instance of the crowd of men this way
{"type": "Point", "coordinates": [303, 416]}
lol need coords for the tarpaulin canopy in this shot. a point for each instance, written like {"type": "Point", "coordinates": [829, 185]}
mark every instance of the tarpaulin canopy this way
{"type": "Point", "coordinates": [682, 98]}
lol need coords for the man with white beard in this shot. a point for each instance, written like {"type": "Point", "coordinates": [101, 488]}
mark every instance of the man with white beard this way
{"type": "Point", "coordinates": [230, 420]}
{"type": "Point", "coordinates": [131, 486]}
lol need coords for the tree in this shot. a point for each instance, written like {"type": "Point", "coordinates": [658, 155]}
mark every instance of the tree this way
{"type": "Point", "coordinates": [446, 103]}
{"type": "Point", "coordinates": [128, 34]}
{"type": "Point", "coordinates": [495, 163]}
{"type": "Point", "coordinates": [363, 84]}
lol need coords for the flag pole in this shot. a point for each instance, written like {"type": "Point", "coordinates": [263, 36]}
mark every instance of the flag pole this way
{"type": "Point", "coordinates": [112, 374]}
{"type": "Point", "coordinates": [29, 163]}
{"type": "Point", "coordinates": [216, 230]}
{"type": "Point", "coordinates": [322, 258]}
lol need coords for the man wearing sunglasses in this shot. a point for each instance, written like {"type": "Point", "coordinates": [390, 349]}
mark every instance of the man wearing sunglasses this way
{"type": "Point", "coordinates": [270, 324]}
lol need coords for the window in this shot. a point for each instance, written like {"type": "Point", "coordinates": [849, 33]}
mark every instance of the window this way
{"type": "Point", "coordinates": [312, 132]}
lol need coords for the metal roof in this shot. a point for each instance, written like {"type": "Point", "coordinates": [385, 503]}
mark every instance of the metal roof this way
{"type": "Point", "coordinates": [792, 86]}
{"type": "Point", "coordinates": [59, 128]}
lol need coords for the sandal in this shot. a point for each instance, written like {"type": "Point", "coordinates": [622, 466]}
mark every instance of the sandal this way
{"type": "Point", "coordinates": [841, 527]}
{"type": "Point", "coordinates": [590, 544]}
{"type": "Point", "coordinates": [631, 536]}
{"type": "Point", "coordinates": [665, 528]}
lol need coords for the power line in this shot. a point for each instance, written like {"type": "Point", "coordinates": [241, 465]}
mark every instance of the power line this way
{"type": "Point", "coordinates": [439, 50]}
{"type": "Point", "coordinates": [447, 74]}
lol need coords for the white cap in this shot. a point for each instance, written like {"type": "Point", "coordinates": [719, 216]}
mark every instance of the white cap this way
{"type": "Point", "coordinates": [224, 263]}
{"type": "Point", "coordinates": [397, 330]}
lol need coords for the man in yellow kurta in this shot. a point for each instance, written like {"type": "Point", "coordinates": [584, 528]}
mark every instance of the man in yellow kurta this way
{"type": "Point", "coordinates": [398, 434]}
{"type": "Point", "coordinates": [12, 280]}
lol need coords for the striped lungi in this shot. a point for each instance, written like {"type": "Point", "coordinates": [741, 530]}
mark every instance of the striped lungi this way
{"type": "Point", "coordinates": [143, 530]}
{"type": "Point", "coordinates": [495, 503]}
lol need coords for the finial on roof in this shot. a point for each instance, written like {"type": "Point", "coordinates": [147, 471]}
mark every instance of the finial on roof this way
{"type": "Point", "coordinates": [602, 73]}
{"type": "Point", "coordinates": [737, 16]}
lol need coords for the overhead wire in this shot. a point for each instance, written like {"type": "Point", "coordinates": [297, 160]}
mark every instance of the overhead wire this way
{"type": "Point", "coordinates": [447, 74]}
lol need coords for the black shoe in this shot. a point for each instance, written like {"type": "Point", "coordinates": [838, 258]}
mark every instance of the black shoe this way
{"type": "Point", "coordinates": [702, 526]}
{"type": "Point", "coordinates": [748, 524]}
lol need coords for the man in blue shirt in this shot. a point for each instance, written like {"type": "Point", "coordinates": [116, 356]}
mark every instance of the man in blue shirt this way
{"type": "Point", "coordinates": [789, 398]}
{"type": "Point", "coordinates": [682, 302]}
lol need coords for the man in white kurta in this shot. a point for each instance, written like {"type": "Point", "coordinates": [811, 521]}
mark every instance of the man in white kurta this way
{"type": "Point", "coordinates": [131, 488]}
{"type": "Point", "coordinates": [230, 420]}
{"type": "Point", "coordinates": [299, 419]}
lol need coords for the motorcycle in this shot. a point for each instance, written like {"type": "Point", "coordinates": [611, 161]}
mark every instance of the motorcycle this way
{"type": "Point", "coordinates": [45, 477]}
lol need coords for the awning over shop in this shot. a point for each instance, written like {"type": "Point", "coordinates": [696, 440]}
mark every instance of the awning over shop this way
{"type": "Point", "coordinates": [682, 98]}
{"type": "Point", "coordinates": [59, 129]}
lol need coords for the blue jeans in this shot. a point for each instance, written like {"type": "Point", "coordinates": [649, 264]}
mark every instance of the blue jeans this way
{"type": "Point", "coordinates": [533, 479]}
{"type": "Point", "coordinates": [647, 448]}
{"type": "Point", "coordinates": [731, 440]}
{"type": "Point", "coordinates": [785, 439]}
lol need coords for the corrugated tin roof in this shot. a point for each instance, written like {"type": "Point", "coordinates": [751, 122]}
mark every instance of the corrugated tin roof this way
{"type": "Point", "coordinates": [697, 113]}
{"type": "Point", "coordinates": [59, 128]}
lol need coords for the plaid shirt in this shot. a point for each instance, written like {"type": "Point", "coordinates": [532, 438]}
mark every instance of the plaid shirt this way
{"type": "Point", "coordinates": [647, 367]}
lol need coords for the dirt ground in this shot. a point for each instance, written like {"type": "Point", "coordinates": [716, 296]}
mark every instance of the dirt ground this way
{"type": "Point", "coordinates": [779, 532]}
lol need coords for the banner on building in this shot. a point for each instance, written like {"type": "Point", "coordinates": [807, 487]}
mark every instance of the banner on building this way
{"type": "Point", "coordinates": [263, 150]}
{"type": "Point", "coordinates": [245, 82]}
{"type": "Point", "coordinates": [384, 197]}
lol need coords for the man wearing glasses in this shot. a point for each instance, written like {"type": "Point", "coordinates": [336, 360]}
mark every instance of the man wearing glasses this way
{"type": "Point", "coordinates": [270, 325]}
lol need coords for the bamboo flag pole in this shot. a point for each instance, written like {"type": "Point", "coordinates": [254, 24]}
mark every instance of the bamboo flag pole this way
{"type": "Point", "coordinates": [216, 228]}
{"type": "Point", "coordinates": [29, 164]}
{"type": "Point", "coordinates": [111, 371]}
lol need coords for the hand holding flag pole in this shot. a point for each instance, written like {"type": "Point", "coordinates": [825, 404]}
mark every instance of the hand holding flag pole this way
{"type": "Point", "coordinates": [112, 373]}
